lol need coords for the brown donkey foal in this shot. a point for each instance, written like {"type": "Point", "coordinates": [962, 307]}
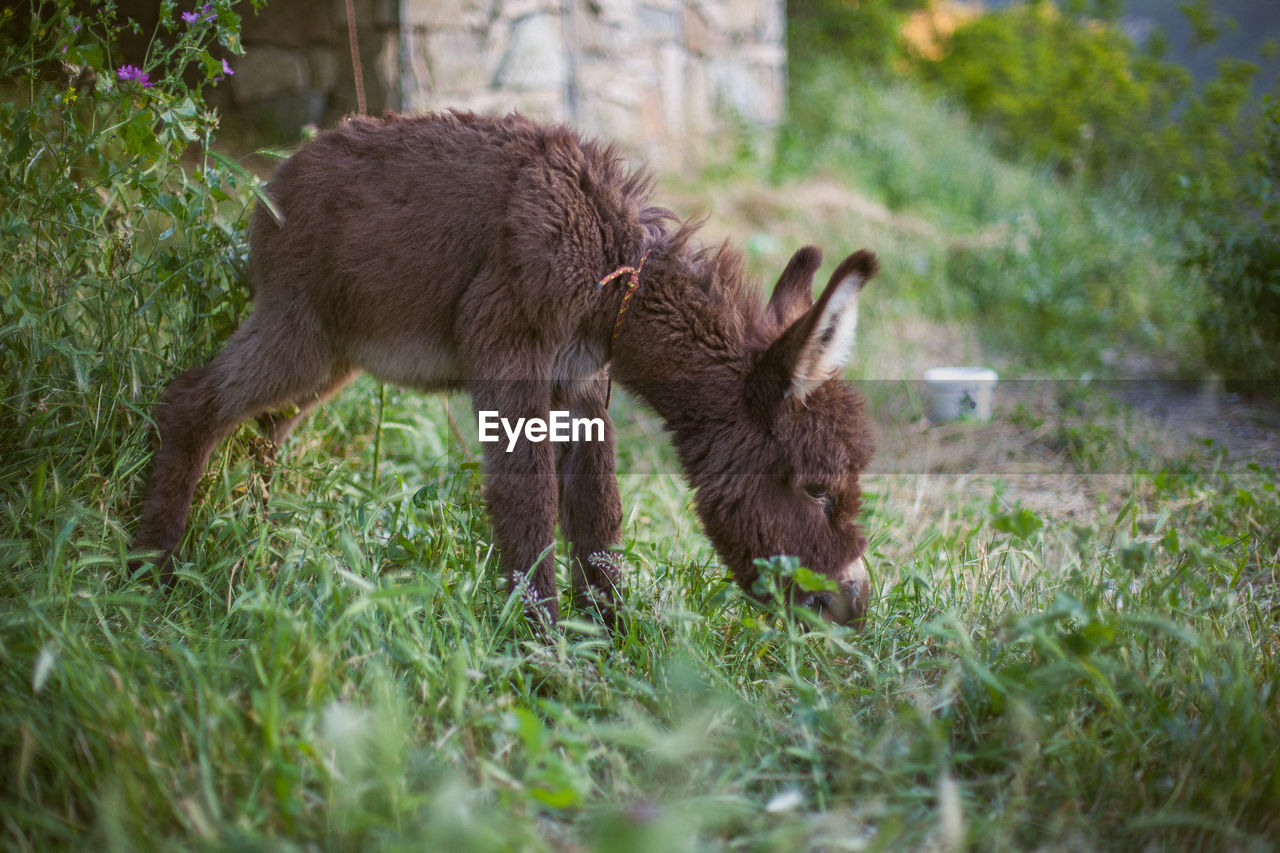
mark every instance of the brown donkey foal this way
{"type": "Point", "coordinates": [463, 251]}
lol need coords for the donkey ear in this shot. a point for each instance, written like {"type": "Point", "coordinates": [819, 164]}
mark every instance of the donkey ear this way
{"type": "Point", "coordinates": [816, 345]}
{"type": "Point", "coordinates": [793, 294]}
{"type": "Point", "coordinates": [824, 335]}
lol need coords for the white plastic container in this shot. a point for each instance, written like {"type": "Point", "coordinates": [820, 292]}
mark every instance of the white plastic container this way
{"type": "Point", "coordinates": [960, 392]}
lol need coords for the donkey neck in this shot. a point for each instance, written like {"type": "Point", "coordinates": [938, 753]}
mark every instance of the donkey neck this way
{"type": "Point", "coordinates": [681, 348]}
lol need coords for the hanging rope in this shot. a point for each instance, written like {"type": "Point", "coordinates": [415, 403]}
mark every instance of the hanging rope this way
{"type": "Point", "coordinates": [356, 67]}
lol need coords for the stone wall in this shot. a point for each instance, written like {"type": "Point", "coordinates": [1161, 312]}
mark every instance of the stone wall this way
{"type": "Point", "coordinates": [297, 66]}
{"type": "Point", "coordinates": [662, 77]}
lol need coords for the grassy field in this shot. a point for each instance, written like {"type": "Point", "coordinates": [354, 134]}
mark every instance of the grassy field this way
{"type": "Point", "coordinates": [1073, 637]}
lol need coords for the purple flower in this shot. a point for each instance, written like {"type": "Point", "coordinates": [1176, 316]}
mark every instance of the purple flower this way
{"type": "Point", "coordinates": [206, 13]}
{"type": "Point", "coordinates": [226, 69]}
{"type": "Point", "coordinates": [133, 72]}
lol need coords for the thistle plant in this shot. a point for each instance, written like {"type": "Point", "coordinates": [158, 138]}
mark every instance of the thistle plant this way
{"type": "Point", "coordinates": [123, 225]}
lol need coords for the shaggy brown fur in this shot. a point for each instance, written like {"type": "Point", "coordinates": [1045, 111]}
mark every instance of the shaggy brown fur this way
{"type": "Point", "coordinates": [462, 251]}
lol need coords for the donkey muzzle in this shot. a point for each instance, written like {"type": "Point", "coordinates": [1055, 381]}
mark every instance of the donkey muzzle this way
{"type": "Point", "coordinates": [848, 604]}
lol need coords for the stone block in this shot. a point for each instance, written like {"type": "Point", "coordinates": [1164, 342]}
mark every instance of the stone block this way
{"type": "Point", "coordinates": [387, 68]}
{"type": "Point", "coordinates": [417, 99]}
{"type": "Point", "coordinates": [698, 38]}
{"type": "Point", "coordinates": [459, 60]}
{"type": "Point", "coordinates": [611, 121]}
{"type": "Point", "coordinates": [536, 58]}
{"type": "Point", "coordinates": [734, 19]}
{"type": "Point", "coordinates": [285, 23]}
{"type": "Point", "coordinates": [322, 65]}
{"type": "Point", "coordinates": [447, 14]}
{"type": "Point", "coordinates": [619, 12]}
{"type": "Point", "coordinates": [773, 23]}
{"type": "Point", "coordinates": [595, 36]}
{"type": "Point", "coordinates": [545, 105]}
{"type": "Point", "coordinates": [650, 131]}
{"type": "Point", "coordinates": [763, 55]}
{"type": "Point", "coordinates": [748, 16]}
{"type": "Point", "coordinates": [699, 113]}
{"type": "Point", "coordinates": [734, 88]}
{"type": "Point", "coordinates": [514, 10]}
{"type": "Point", "coordinates": [671, 71]}
{"type": "Point", "coordinates": [753, 92]}
{"type": "Point", "coordinates": [416, 72]}
{"type": "Point", "coordinates": [265, 72]}
{"type": "Point", "coordinates": [386, 13]}
{"type": "Point", "coordinates": [283, 114]}
{"type": "Point", "coordinates": [657, 24]}
{"type": "Point", "coordinates": [714, 12]}
{"type": "Point", "coordinates": [602, 80]}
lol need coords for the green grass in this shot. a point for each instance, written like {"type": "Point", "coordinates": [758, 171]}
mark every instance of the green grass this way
{"type": "Point", "coordinates": [341, 669]}
{"type": "Point", "coordinates": [337, 667]}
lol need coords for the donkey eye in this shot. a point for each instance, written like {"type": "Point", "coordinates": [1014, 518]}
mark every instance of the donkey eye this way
{"type": "Point", "coordinates": [816, 491]}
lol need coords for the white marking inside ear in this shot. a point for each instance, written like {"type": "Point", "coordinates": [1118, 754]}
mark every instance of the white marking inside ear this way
{"type": "Point", "coordinates": [829, 345]}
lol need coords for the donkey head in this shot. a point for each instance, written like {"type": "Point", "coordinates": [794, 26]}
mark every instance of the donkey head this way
{"type": "Point", "coordinates": [782, 478]}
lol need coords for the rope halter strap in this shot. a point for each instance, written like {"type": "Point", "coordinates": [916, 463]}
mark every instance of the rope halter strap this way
{"type": "Point", "coordinates": [629, 290]}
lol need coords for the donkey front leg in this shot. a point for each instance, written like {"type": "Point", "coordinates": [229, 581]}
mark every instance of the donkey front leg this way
{"type": "Point", "coordinates": [520, 493]}
{"type": "Point", "coordinates": [590, 506]}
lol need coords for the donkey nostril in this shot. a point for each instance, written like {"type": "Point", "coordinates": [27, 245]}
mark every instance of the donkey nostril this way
{"type": "Point", "coordinates": [818, 602]}
{"type": "Point", "coordinates": [856, 594]}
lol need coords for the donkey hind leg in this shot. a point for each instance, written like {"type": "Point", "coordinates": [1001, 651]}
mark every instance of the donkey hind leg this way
{"type": "Point", "coordinates": [590, 505]}
{"type": "Point", "coordinates": [256, 371]}
{"type": "Point", "coordinates": [276, 424]}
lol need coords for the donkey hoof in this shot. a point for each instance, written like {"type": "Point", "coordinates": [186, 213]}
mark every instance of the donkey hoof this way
{"type": "Point", "coordinates": [599, 604]}
{"type": "Point", "coordinates": [158, 569]}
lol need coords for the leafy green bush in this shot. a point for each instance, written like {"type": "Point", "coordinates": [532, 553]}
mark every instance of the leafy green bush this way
{"type": "Point", "coordinates": [1051, 272]}
{"type": "Point", "coordinates": [1238, 255]}
{"type": "Point", "coordinates": [1081, 281]}
{"type": "Point", "coordinates": [1049, 85]}
{"type": "Point", "coordinates": [865, 35]}
{"type": "Point", "coordinates": [1062, 88]}
{"type": "Point", "coordinates": [1077, 92]}
{"type": "Point", "coordinates": [121, 229]}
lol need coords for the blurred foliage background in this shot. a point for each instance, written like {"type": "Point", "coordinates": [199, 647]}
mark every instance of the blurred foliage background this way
{"type": "Point", "coordinates": [1065, 86]}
